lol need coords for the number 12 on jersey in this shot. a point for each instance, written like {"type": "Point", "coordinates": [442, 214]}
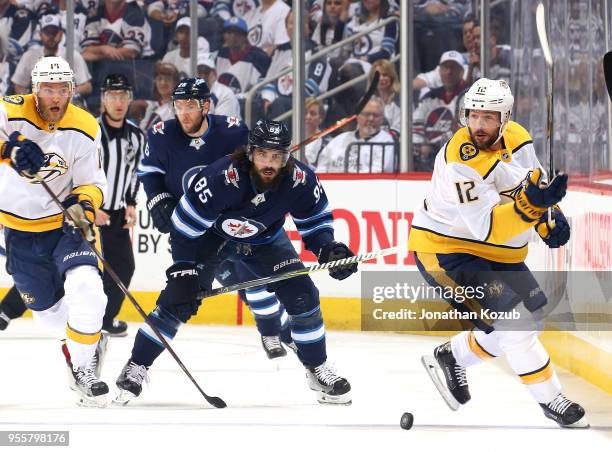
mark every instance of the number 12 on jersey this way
{"type": "Point", "coordinates": [464, 190]}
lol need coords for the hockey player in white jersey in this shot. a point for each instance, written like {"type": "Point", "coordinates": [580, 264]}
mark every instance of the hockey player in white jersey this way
{"type": "Point", "coordinates": [486, 196]}
{"type": "Point", "coordinates": [52, 266]}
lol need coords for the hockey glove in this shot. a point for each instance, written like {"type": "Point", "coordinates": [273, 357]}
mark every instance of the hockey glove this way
{"type": "Point", "coordinates": [161, 207]}
{"type": "Point", "coordinates": [80, 216]}
{"type": "Point", "coordinates": [334, 251]}
{"type": "Point", "coordinates": [535, 196]}
{"type": "Point", "coordinates": [26, 156]}
{"type": "Point", "coordinates": [559, 234]}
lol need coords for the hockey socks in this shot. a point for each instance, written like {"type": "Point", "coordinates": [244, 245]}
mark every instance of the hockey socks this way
{"type": "Point", "coordinates": [147, 346]}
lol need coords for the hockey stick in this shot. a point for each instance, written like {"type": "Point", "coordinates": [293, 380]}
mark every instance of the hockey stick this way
{"type": "Point", "coordinates": [344, 121]}
{"type": "Point", "coordinates": [607, 68]}
{"type": "Point", "coordinates": [544, 43]}
{"type": "Point", "coordinates": [214, 401]}
{"type": "Point", "coordinates": [302, 272]}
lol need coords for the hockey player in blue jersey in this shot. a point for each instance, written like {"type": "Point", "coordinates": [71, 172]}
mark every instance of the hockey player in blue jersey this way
{"type": "Point", "coordinates": [235, 210]}
{"type": "Point", "coordinates": [177, 150]}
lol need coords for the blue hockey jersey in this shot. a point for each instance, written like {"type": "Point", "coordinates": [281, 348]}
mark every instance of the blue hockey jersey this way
{"type": "Point", "coordinates": [224, 198]}
{"type": "Point", "coordinates": [172, 158]}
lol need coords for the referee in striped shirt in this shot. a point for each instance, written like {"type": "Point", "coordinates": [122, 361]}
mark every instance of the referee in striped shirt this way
{"type": "Point", "coordinates": [122, 147]}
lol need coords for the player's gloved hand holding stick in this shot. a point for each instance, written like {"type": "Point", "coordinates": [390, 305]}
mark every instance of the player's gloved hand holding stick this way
{"type": "Point", "coordinates": [81, 215]}
{"type": "Point", "coordinates": [334, 251]}
{"type": "Point", "coordinates": [535, 197]}
{"type": "Point", "coordinates": [161, 207]}
{"type": "Point", "coordinates": [26, 156]}
{"type": "Point", "coordinates": [557, 235]}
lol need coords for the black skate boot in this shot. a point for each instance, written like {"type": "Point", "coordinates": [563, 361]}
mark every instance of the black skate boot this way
{"type": "Point", "coordinates": [455, 392]}
{"type": "Point", "coordinates": [130, 381]}
{"type": "Point", "coordinates": [116, 328]}
{"type": "Point", "coordinates": [330, 387]}
{"type": "Point", "coordinates": [273, 347]}
{"type": "Point", "coordinates": [564, 412]}
{"type": "Point", "coordinates": [85, 381]}
{"type": "Point", "coordinates": [4, 320]}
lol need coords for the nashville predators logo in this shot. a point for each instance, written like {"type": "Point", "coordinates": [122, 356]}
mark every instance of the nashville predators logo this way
{"type": "Point", "coordinates": [467, 151]}
{"type": "Point", "coordinates": [495, 289]}
{"type": "Point", "coordinates": [27, 298]}
{"type": "Point", "coordinates": [53, 167]}
{"type": "Point", "coordinates": [15, 100]}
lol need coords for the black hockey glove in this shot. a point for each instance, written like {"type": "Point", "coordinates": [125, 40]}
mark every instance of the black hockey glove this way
{"type": "Point", "coordinates": [81, 215]}
{"type": "Point", "coordinates": [559, 234]}
{"type": "Point", "coordinates": [535, 197]}
{"type": "Point", "coordinates": [26, 156]}
{"type": "Point", "coordinates": [161, 207]}
{"type": "Point", "coordinates": [334, 251]}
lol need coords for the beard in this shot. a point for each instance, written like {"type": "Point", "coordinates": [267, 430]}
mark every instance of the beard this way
{"type": "Point", "coordinates": [267, 184]}
{"type": "Point", "coordinates": [192, 129]}
{"type": "Point", "coordinates": [486, 145]}
{"type": "Point", "coordinates": [49, 115]}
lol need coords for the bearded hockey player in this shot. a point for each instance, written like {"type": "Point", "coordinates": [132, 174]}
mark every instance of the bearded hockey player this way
{"type": "Point", "coordinates": [54, 269]}
{"type": "Point", "coordinates": [487, 195]}
{"type": "Point", "coordinates": [177, 150]}
{"type": "Point", "coordinates": [235, 210]}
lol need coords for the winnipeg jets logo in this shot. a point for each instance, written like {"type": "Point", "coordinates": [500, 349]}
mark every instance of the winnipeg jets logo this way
{"type": "Point", "coordinates": [231, 176]}
{"type": "Point", "coordinates": [257, 200]}
{"type": "Point", "coordinates": [158, 127]}
{"type": "Point", "coordinates": [240, 229]}
{"type": "Point", "coordinates": [197, 143]}
{"type": "Point", "coordinates": [299, 177]}
{"type": "Point", "coordinates": [232, 121]}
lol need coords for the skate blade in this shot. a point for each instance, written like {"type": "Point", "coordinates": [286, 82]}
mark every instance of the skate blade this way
{"type": "Point", "coordinates": [326, 399]}
{"type": "Point", "coordinates": [124, 334]}
{"type": "Point", "coordinates": [123, 397]}
{"type": "Point", "coordinates": [580, 423]}
{"type": "Point", "coordinates": [100, 401]}
{"type": "Point", "coordinates": [432, 367]}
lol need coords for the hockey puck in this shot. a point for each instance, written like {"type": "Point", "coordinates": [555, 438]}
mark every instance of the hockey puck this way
{"type": "Point", "coordinates": [406, 421]}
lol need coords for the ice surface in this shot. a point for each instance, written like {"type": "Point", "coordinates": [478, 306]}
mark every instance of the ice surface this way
{"type": "Point", "coordinates": [270, 406]}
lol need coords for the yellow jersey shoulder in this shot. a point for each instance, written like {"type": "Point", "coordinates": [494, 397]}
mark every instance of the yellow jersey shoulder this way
{"type": "Point", "coordinates": [23, 108]}
{"type": "Point", "coordinates": [80, 120]}
{"type": "Point", "coordinates": [460, 149]}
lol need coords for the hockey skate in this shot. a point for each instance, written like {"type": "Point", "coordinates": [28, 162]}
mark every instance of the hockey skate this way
{"type": "Point", "coordinates": [566, 413]}
{"type": "Point", "coordinates": [117, 328]}
{"type": "Point", "coordinates": [273, 347]}
{"type": "Point", "coordinates": [330, 387]}
{"type": "Point", "coordinates": [85, 381]}
{"type": "Point", "coordinates": [454, 388]}
{"type": "Point", "coordinates": [4, 320]}
{"type": "Point", "coordinates": [129, 382]}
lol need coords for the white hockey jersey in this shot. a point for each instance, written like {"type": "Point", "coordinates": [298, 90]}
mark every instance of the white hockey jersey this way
{"type": "Point", "coordinates": [72, 164]}
{"type": "Point", "coordinates": [267, 28]}
{"type": "Point", "coordinates": [470, 204]}
{"type": "Point", "coordinates": [347, 153]}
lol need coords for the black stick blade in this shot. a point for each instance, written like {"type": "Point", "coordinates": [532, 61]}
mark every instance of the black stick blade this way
{"type": "Point", "coordinates": [369, 93]}
{"type": "Point", "coordinates": [607, 67]}
{"type": "Point", "coordinates": [217, 402]}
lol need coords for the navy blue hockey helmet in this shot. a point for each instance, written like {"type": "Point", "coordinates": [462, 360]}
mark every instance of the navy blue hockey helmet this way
{"type": "Point", "coordinates": [269, 135]}
{"type": "Point", "coordinates": [191, 88]}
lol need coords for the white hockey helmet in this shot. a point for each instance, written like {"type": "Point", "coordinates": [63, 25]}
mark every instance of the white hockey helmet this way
{"type": "Point", "coordinates": [489, 95]}
{"type": "Point", "coordinates": [51, 69]}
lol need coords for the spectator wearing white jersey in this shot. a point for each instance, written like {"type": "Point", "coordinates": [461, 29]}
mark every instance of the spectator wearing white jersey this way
{"type": "Point", "coordinates": [51, 35]}
{"type": "Point", "coordinates": [314, 116]}
{"type": "Point", "coordinates": [160, 109]}
{"type": "Point", "coordinates": [239, 64]}
{"type": "Point", "coordinates": [369, 149]}
{"type": "Point", "coordinates": [224, 101]}
{"type": "Point", "coordinates": [330, 28]}
{"type": "Point", "coordinates": [180, 56]}
{"type": "Point", "coordinates": [266, 25]}
{"type": "Point", "coordinates": [380, 43]}
{"type": "Point", "coordinates": [389, 92]}
{"type": "Point", "coordinates": [59, 7]}
{"type": "Point", "coordinates": [117, 31]}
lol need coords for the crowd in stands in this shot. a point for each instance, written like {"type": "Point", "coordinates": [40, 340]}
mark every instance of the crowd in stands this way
{"type": "Point", "coordinates": [242, 42]}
